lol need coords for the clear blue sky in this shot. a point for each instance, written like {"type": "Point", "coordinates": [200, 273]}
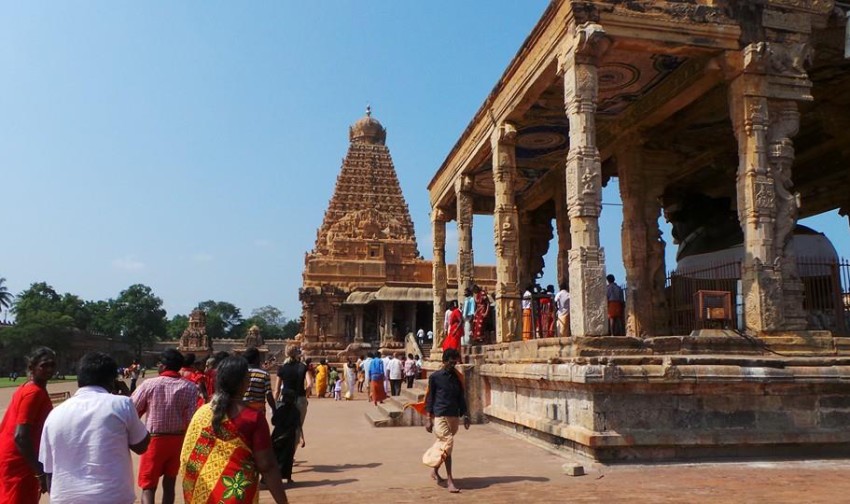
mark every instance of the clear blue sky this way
{"type": "Point", "coordinates": [193, 146]}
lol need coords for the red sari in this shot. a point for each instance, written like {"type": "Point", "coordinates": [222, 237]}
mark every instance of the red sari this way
{"type": "Point", "coordinates": [30, 405]}
{"type": "Point", "coordinates": [482, 308]}
{"type": "Point", "coordinates": [455, 331]}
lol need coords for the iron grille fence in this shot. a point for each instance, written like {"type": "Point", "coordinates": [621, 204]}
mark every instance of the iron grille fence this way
{"type": "Point", "coordinates": [826, 293]}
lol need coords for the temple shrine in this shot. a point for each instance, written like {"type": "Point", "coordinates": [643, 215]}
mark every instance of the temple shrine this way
{"type": "Point", "coordinates": [194, 339]}
{"type": "Point", "coordinates": [732, 120]}
{"type": "Point", "coordinates": [365, 286]}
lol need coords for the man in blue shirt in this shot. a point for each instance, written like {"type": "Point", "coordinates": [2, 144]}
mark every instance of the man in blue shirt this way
{"type": "Point", "coordinates": [445, 403]}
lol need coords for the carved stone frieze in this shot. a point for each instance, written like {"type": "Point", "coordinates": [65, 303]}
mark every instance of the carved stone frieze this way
{"type": "Point", "coordinates": [588, 316]}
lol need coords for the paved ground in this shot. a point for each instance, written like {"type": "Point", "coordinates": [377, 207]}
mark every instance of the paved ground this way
{"type": "Point", "coordinates": [346, 460]}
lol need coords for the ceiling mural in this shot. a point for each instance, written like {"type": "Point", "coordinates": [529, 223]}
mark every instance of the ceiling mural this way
{"type": "Point", "coordinates": [624, 79]}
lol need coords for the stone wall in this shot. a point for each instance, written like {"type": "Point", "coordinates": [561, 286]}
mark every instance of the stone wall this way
{"type": "Point", "coordinates": [658, 407]}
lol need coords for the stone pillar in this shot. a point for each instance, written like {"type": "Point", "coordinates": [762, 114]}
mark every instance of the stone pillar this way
{"type": "Point", "coordinates": [465, 261]}
{"type": "Point", "coordinates": [523, 260]}
{"type": "Point", "coordinates": [439, 276]}
{"type": "Point", "coordinates": [588, 308]}
{"type": "Point", "coordinates": [358, 324]}
{"type": "Point", "coordinates": [764, 120]}
{"type": "Point", "coordinates": [562, 225]}
{"type": "Point", "coordinates": [410, 317]}
{"type": "Point", "coordinates": [309, 322]}
{"type": "Point", "coordinates": [505, 219]}
{"type": "Point", "coordinates": [387, 325]}
{"type": "Point", "coordinates": [643, 249]}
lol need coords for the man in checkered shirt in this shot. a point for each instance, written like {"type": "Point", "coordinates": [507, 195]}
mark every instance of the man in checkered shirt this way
{"type": "Point", "coordinates": [169, 402]}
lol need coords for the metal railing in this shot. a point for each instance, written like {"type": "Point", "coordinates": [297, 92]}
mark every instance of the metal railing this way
{"type": "Point", "coordinates": [826, 293]}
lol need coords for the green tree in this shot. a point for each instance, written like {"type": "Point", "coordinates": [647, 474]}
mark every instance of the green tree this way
{"type": "Point", "coordinates": [40, 297]}
{"type": "Point", "coordinates": [291, 329]}
{"type": "Point", "coordinates": [269, 319]}
{"type": "Point", "coordinates": [223, 319]}
{"type": "Point", "coordinates": [140, 316]}
{"type": "Point", "coordinates": [101, 316]}
{"type": "Point", "coordinates": [40, 319]}
{"type": "Point", "coordinates": [176, 326]}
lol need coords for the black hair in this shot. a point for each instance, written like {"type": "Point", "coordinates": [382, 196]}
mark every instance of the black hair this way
{"type": "Point", "coordinates": [189, 360]}
{"type": "Point", "coordinates": [172, 360]}
{"type": "Point", "coordinates": [449, 354]}
{"type": "Point", "coordinates": [252, 355]}
{"type": "Point", "coordinates": [410, 356]}
{"type": "Point", "coordinates": [467, 292]}
{"type": "Point", "coordinates": [610, 278]}
{"type": "Point", "coordinates": [97, 368]}
{"type": "Point", "coordinates": [564, 286]}
{"type": "Point", "coordinates": [229, 377]}
{"type": "Point", "coordinates": [220, 356]}
{"type": "Point", "coordinates": [38, 355]}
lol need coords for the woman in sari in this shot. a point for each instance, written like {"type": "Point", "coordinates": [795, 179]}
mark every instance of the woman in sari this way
{"type": "Point", "coordinates": [310, 377]}
{"type": "Point", "coordinates": [455, 331]}
{"type": "Point", "coordinates": [228, 446]}
{"type": "Point", "coordinates": [322, 378]}
{"type": "Point", "coordinates": [482, 309]}
{"type": "Point", "coordinates": [350, 378]}
{"type": "Point", "coordinates": [22, 478]}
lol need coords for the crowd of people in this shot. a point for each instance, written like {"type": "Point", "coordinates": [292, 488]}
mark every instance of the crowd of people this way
{"type": "Point", "coordinates": [200, 422]}
{"type": "Point", "coordinates": [204, 420]}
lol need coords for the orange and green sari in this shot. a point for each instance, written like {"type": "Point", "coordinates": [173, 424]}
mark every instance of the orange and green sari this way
{"type": "Point", "coordinates": [217, 469]}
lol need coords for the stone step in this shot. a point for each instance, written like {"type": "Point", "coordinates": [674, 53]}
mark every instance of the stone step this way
{"type": "Point", "coordinates": [390, 408]}
{"type": "Point", "coordinates": [410, 395]}
{"type": "Point", "coordinates": [377, 419]}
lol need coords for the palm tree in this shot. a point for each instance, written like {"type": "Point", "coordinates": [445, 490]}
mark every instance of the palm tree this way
{"type": "Point", "coordinates": [5, 296]}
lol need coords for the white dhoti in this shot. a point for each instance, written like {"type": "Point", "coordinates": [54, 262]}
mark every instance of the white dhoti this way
{"type": "Point", "coordinates": [445, 429]}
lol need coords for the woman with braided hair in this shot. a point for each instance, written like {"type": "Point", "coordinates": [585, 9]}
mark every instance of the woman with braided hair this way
{"type": "Point", "coordinates": [228, 445]}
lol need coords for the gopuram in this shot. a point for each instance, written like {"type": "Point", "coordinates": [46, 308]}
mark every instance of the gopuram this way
{"type": "Point", "coordinates": [194, 339]}
{"type": "Point", "coordinates": [729, 117]}
{"type": "Point", "coordinates": [365, 285]}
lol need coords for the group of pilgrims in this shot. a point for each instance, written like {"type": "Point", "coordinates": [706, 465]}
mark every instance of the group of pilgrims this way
{"type": "Point", "coordinates": [545, 314]}
{"type": "Point", "coordinates": [204, 421]}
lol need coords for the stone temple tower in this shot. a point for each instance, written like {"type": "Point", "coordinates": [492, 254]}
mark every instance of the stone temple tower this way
{"type": "Point", "coordinates": [364, 281]}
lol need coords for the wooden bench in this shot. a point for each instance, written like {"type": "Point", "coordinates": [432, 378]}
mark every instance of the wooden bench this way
{"type": "Point", "coordinates": [58, 397]}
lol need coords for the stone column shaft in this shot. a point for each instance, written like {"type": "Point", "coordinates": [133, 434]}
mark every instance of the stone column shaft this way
{"type": "Point", "coordinates": [439, 276]}
{"type": "Point", "coordinates": [562, 224]}
{"type": "Point", "coordinates": [588, 309]}
{"type": "Point", "coordinates": [358, 323]}
{"type": "Point", "coordinates": [505, 235]}
{"type": "Point", "coordinates": [643, 248]}
{"type": "Point", "coordinates": [387, 333]}
{"type": "Point", "coordinates": [465, 260]}
{"type": "Point", "coordinates": [767, 210]}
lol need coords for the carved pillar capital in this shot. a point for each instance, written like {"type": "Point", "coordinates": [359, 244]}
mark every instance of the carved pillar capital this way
{"type": "Point", "coordinates": [504, 133]}
{"type": "Point", "coordinates": [588, 45]}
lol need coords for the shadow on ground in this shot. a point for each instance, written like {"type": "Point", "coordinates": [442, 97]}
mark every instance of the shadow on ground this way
{"type": "Point", "coordinates": [322, 483]}
{"type": "Point", "coordinates": [336, 468]}
{"type": "Point", "coordinates": [488, 481]}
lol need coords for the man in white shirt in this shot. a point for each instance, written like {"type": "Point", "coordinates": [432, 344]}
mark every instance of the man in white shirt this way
{"type": "Point", "coordinates": [395, 371]}
{"type": "Point", "coordinates": [86, 441]}
{"type": "Point", "coordinates": [562, 304]}
{"type": "Point", "coordinates": [386, 360]}
{"type": "Point", "coordinates": [365, 367]}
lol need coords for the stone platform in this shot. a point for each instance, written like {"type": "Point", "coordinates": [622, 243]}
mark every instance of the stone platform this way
{"type": "Point", "coordinates": [669, 398]}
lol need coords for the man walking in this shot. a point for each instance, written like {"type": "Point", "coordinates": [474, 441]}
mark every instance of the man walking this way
{"type": "Point", "coordinates": [616, 307]}
{"type": "Point", "coordinates": [259, 391]}
{"type": "Point", "coordinates": [445, 404]}
{"type": "Point", "coordinates": [562, 305]}
{"type": "Point", "coordinates": [395, 373]}
{"type": "Point", "coordinates": [169, 401]}
{"type": "Point", "coordinates": [86, 442]}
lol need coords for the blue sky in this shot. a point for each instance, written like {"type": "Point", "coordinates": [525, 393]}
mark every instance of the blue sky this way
{"type": "Point", "coordinates": [193, 146]}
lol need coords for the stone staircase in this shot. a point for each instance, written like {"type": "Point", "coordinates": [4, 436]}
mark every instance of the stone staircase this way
{"type": "Point", "coordinates": [392, 413]}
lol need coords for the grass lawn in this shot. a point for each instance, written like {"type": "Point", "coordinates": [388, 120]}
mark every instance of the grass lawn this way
{"type": "Point", "coordinates": [6, 382]}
